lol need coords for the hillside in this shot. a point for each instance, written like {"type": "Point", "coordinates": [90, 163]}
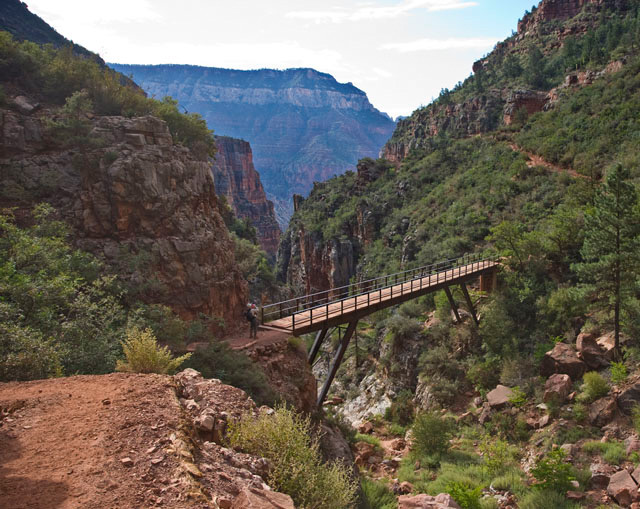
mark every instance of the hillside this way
{"type": "Point", "coordinates": [519, 161]}
{"type": "Point", "coordinates": [303, 126]}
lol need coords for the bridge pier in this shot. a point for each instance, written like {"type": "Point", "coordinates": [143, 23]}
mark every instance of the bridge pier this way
{"type": "Point", "coordinates": [320, 335]}
{"type": "Point", "coordinates": [489, 281]}
{"type": "Point", "coordinates": [454, 307]}
{"type": "Point", "coordinates": [337, 360]}
{"type": "Point", "coordinates": [467, 297]}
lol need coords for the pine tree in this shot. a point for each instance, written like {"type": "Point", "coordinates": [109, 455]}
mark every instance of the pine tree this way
{"type": "Point", "coordinates": [611, 249]}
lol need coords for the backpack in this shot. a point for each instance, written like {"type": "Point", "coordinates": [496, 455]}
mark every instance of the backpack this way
{"type": "Point", "coordinates": [248, 315]}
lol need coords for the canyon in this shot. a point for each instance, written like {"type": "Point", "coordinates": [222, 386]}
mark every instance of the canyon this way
{"type": "Point", "coordinates": [303, 126]}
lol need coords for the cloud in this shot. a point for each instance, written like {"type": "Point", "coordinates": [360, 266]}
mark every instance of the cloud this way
{"type": "Point", "coordinates": [88, 13]}
{"type": "Point", "coordinates": [369, 11]}
{"type": "Point", "coordinates": [439, 44]}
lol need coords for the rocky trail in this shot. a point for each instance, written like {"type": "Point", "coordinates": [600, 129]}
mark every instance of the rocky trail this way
{"type": "Point", "coordinates": [536, 160]}
{"type": "Point", "coordinates": [125, 440]}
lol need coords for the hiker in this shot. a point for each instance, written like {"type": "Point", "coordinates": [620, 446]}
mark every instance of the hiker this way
{"type": "Point", "coordinates": [252, 316]}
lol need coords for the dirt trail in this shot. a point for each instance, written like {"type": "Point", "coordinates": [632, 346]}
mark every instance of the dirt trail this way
{"type": "Point", "coordinates": [536, 160]}
{"type": "Point", "coordinates": [62, 443]}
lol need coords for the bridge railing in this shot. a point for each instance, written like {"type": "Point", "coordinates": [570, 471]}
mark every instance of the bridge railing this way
{"type": "Point", "coordinates": [359, 289]}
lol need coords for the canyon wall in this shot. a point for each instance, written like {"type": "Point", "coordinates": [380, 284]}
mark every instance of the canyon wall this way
{"type": "Point", "coordinates": [144, 205]}
{"type": "Point", "coordinates": [236, 178]}
{"type": "Point", "coordinates": [302, 124]}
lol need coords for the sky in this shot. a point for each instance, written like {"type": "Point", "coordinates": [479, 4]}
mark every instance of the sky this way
{"type": "Point", "coordinates": [400, 52]}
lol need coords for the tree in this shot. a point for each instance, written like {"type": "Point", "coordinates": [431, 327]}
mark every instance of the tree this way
{"type": "Point", "coordinates": [610, 250]}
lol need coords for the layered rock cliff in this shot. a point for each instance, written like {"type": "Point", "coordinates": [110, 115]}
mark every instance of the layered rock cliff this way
{"type": "Point", "coordinates": [236, 178]}
{"type": "Point", "coordinates": [143, 204]}
{"type": "Point", "coordinates": [302, 124]}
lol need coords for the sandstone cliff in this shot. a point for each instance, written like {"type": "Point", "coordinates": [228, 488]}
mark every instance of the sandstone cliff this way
{"type": "Point", "coordinates": [302, 124]}
{"type": "Point", "coordinates": [236, 178]}
{"type": "Point", "coordinates": [140, 202]}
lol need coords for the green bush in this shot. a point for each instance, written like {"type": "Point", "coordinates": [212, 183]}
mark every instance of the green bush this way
{"type": "Point", "coordinates": [377, 494]}
{"type": "Point", "coordinates": [537, 499]}
{"type": "Point", "coordinates": [285, 439]}
{"type": "Point", "coordinates": [498, 455]}
{"type": "Point", "coordinates": [553, 473]}
{"type": "Point", "coordinates": [619, 372]}
{"type": "Point", "coordinates": [465, 495]}
{"type": "Point", "coordinates": [144, 355]}
{"type": "Point", "coordinates": [402, 409]}
{"type": "Point", "coordinates": [369, 439]}
{"type": "Point", "coordinates": [594, 387]}
{"type": "Point", "coordinates": [431, 434]}
{"type": "Point", "coordinates": [613, 453]}
{"type": "Point", "coordinates": [218, 360]}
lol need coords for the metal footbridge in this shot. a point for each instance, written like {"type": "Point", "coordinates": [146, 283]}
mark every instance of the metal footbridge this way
{"type": "Point", "coordinates": [321, 311]}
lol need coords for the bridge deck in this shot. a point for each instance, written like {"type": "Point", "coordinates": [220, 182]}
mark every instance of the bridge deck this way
{"type": "Point", "coordinates": [345, 310]}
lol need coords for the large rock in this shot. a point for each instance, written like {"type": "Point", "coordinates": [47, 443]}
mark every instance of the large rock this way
{"type": "Point", "coordinates": [600, 475]}
{"type": "Point", "coordinates": [236, 178]}
{"type": "Point", "coordinates": [499, 396]}
{"type": "Point", "coordinates": [442, 501]}
{"type": "Point", "coordinates": [590, 351]}
{"type": "Point", "coordinates": [622, 488]}
{"type": "Point", "coordinates": [629, 398]}
{"type": "Point", "coordinates": [563, 359]}
{"type": "Point", "coordinates": [557, 387]}
{"type": "Point", "coordinates": [253, 498]}
{"type": "Point", "coordinates": [602, 411]}
{"type": "Point", "coordinates": [607, 344]}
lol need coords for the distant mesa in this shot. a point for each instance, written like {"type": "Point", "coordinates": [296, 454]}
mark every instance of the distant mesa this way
{"type": "Point", "coordinates": [303, 126]}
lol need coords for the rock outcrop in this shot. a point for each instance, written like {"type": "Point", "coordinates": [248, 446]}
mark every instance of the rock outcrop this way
{"type": "Point", "coordinates": [302, 124]}
{"type": "Point", "coordinates": [236, 178]}
{"type": "Point", "coordinates": [562, 359]}
{"type": "Point", "coordinates": [143, 204]}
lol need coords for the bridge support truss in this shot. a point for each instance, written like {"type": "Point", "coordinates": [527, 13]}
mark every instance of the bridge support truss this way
{"type": "Point", "coordinates": [337, 360]}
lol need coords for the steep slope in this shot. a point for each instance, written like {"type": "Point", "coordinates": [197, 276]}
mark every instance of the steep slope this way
{"type": "Point", "coordinates": [237, 180]}
{"type": "Point", "coordinates": [565, 79]}
{"type": "Point", "coordinates": [303, 125]}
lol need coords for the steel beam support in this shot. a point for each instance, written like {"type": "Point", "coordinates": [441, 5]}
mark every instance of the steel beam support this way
{"type": "Point", "coordinates": [337, 360]}
{"type": "Point", "coordinates": [467, 297]}
{"type": "Point", "coordinates": [320, 335]}
{"type": "Point", "coordinates": [454, 307]}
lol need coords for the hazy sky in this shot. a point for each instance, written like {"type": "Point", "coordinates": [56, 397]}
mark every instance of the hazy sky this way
{"type": "Point", "coordinates": [400, 52]}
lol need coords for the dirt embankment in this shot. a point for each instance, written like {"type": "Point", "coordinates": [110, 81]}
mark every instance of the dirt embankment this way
{"type": "Point", "coordinates": [124, 441]}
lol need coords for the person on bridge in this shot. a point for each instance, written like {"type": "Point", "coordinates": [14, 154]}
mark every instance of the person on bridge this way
{"type": "Point", "coordinates": [252, 317]}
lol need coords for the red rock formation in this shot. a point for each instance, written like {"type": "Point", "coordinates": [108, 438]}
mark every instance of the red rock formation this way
{"type": "Point", "coordinates": [139, 197]}
{"type": "Point", "coordinates": [530, 100]}
{"type": "Point", "coordinates": [236, 178]}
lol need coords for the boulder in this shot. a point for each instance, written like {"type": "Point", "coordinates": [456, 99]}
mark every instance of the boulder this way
{"type": "Point", "coordinates": [602, 411]}
{"type": "Point", "coordinates": [364, 451]}
{"type": "Point", "coordinates": [629, 398]}
{"type": "Point", "coordinates": [607, 344]}
{"type": "Point", "coordinates": [622, 488]}
{"type": "Point", "coordinates": [636, 475]}
{"type": "Point", "coordinates": [600, 475]}
{"type": "Point", "coordinates": [563, 359]}
{"type": "Point", "coordinates": [590, 352]}
{"type": "Point", "coordinates": [366, 428]}
{"type": "Point", "coordinates": [24, 105]}
{"type": "Point", "coordinates": [442, 501]}
{"type": "Point", "coordinates": [253, 498]}
{"type": "Point", "coordinates": [499, 396]}
{"type": "Point", "coordinates": [558, 387]}
{"type": "Point", "coordinates": [632, 444]}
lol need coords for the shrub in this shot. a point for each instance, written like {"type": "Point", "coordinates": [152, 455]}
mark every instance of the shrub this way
{"type": "Point", "coordinates": [537, 499]}
{"type": "Point", "coordinates": [612, 452]}
{"type": "Point", "coordinates": [431, 434]}
{"type": "Point", "coordinates": [377, 494]}
{"type": "Point", "coordinates": [498, 455]}
{"type": "Point", "coordinates": [218, 360]}
{"type": "Point", "coordinates": [552, 473]}
{"type": "Point", "coordinates": [635, 417]}
{"type": "Point", "coordinates": [401, 410]}
{"type": "Point", "coordinates": [484, 375]}
{"type": "Point", "coordinates": [618, 372]}
{"type": "Point", "coordinates": [401, 327]}
{"type": "Point", "coordinates": [594, 387]}
{"type": "Point", "coordinates": [144, 355]}
{"type": "Point", "coordinates": [3, 96]}
{"type": "Point", "coordinates": [468, 497]}
{"type": "Point", "coordinates": [369, 439]}
{"type": "Point", "coordinates": [285, 439]}
{"type": "Point", "coordinates": [518, 399]}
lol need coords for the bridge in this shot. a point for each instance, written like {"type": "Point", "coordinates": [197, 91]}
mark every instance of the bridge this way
{"type": "Point", "coordinates": [319, 312]}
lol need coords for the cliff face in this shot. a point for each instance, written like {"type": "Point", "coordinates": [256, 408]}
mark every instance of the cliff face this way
{"type": "Point", "coordinates": [236, 178]}
{"type": "Point", "coordinates": [303, 125]}
{"type": "Point", "coordinates": [497, 98]}
{"type": "Point", "coordinates": [144, 205]}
